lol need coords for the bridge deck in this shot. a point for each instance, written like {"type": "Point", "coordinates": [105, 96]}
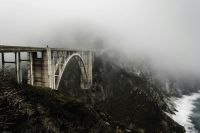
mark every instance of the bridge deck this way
{"type": "Point", "coordinates": [6, 48]}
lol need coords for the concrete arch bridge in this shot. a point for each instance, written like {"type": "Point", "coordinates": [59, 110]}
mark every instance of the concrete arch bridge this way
{"type": "Point", "coordinates": [46, 65]}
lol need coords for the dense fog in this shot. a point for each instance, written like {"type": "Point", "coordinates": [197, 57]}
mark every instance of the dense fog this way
{"type": "Point", "coordinates": [166, 32]}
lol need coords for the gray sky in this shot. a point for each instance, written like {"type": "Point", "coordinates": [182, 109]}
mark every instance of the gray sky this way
{"type": "Point", "coordinates": [166, 31]}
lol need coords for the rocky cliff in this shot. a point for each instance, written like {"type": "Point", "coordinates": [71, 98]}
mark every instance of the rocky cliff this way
{"type": "Point", "coordinates": [135, 101]}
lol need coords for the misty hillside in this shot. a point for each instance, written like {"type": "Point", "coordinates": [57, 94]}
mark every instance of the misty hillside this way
{"type": "Point", "coordinates": [27, 109]}
{"type": "Point", "coordinates": [119, 101]}
{"type": "Point", "coordinates": [116, 91]}
{"type": "Point", "coordinates": [131, 99]}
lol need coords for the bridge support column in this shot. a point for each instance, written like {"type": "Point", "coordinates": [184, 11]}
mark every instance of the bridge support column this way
{"type": "Point", "coordinates": [17, 66]}
{"type": "Point", "coordinates": [53, 72]}
{"type": "Point", "coordinates": [90, 64]}
{"type": "Point", "coordinates": [49, 67]}
{"type": "Point", "coordinates": [3, 63]}
{"type": "Point", "coordinates": [30, 70]}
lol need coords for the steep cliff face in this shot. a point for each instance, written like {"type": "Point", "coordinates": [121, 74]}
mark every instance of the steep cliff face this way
{"type": "Point", "coordinates": [135, 101]}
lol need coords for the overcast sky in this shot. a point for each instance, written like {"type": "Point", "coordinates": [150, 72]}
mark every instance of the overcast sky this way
{"type": "Point", "coordinates": [166, 31]}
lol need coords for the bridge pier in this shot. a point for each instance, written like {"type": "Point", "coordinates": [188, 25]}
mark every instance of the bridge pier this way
{"type": "Point", "coordinates": [3, 63]}
{"type": "Point", "coordinates": [30, 70]}
{"type": "Point", "coordinates": [38, 69]}
{"type": "Point", "coordinates": [17, 67]}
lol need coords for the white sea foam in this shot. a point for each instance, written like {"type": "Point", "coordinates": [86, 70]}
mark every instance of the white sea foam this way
{"type": "Point", "coordinates": [185, 106]}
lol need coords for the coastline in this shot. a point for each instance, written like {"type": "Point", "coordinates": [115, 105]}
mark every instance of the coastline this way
{"type": "Point", "coordinates": [185, 106]}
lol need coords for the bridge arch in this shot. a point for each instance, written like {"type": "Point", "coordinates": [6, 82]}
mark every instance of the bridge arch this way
{"type": "Point", "coordinates": [85, 84]}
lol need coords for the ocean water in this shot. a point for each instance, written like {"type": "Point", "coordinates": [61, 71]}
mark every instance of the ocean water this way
{"type": "Point", "coordinates": [196, 115]}
{"type": "Point", "coordinates": [188, 114]}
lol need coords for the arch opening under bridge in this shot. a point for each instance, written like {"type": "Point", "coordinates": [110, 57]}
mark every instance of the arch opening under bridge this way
{"type": "Point", "coordinates": [85, 83]}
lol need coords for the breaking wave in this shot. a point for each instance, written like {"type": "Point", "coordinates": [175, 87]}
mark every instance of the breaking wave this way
{"type": "Point", "coordinates": [185, 106]}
